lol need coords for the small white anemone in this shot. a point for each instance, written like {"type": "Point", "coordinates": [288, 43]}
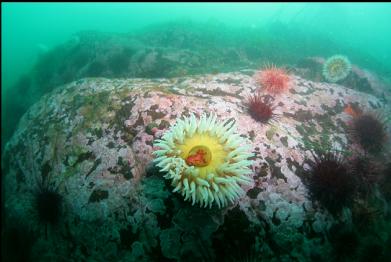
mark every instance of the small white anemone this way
{"type": "Point", "coordinates": [205, 160]}
{"type": "Point", "coordinates": [336, 68]}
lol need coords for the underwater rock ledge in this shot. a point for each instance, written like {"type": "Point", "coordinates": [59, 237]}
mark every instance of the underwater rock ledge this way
{"type": "Point", "coordinates": [91, 142]}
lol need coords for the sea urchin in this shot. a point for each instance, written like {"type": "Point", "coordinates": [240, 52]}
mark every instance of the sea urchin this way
{"type": "Point", "coordinates": [330, 182]}
{"type": "Point", "coordinates": [260, 108]}
{"type": "Point", "coordinates": [336, 68]}
{"type": "Point", "coordinates": [369, 131]}
{"type": "Point", "coordinates": [48, 203]}
{"type": "Point", "coordinates": [274, 80]}
{"type": "Point", "coordinates": [367, 172]}
{"type": "Point", "coordinates": [205, 160]}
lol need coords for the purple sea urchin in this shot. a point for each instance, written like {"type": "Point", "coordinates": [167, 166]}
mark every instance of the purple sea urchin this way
{"type": "Point", "coordinates": [205, 160]}
{"type": "Point", "coordinates": [330, 183]}
{"type": "Point", "coordinates": [47, 201]}
{"type": "Point", "coordinates": [48, 204]}
{"type": "Point", "coordinates": [260, 108]}
{"type": "Point", "coordinates": [365, 214]}
{"type": "Point", "coordinates": [366, 171]}
{"type": "Point", "coordinates": [369, 131]}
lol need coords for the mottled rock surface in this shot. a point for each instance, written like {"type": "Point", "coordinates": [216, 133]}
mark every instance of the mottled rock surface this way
{"type": "Point", "coordinates": [93, 140]}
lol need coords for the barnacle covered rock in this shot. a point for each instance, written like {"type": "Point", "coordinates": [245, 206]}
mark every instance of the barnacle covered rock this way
{"type": "Point", "coordinates": [89, 139]}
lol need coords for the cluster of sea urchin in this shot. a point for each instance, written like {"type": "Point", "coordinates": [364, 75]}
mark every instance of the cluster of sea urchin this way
{"type": "Point", "coordinates": [274, 80]}
{"type": "Point", "coordinates": [205, 160]}
{"type": "Point", "coordinates": [330, 182]}
{"type": "Point", "coordinates": [369, 131]}
{"type": "Point", "coordinates": [260, 108]}
{"type": "Point", "coordinates": [336, 68]}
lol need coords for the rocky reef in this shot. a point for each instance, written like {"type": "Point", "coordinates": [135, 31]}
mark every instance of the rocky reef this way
{"type": "Point", "coordinates": [92, 140]}
{"type": "Point", "coordinates": [175, 49]}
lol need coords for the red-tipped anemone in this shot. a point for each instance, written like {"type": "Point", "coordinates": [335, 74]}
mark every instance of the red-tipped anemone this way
{"type": "Point", "coordinates": [274, 80]}
{"type": "Point", "coordinates": [369, 130]}
{"type": "Point", "coordinates": [329, 181]}
{"type": "Point", "coordinates": [260, 108]}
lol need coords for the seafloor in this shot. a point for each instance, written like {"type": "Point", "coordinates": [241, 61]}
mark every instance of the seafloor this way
{"type": "Point", "coordinates": [92, 141]}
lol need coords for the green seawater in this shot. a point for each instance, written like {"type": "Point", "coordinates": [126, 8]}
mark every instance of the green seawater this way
{"type": "Point", "coordinates": [361, 31]}
{"type": "Point", "coordinates": [47, 45]}
{"type": "Point", "coordinates": [358, 30]}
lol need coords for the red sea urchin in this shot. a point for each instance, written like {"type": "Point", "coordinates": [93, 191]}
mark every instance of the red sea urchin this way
{"type": "Point", "coordinates": [260, 108]}
{"type": "Point", "coordinates": [274, 80]}
{"type": "Point", "coordinates": [329, 182]}
{"type": "Point", "coordinates": [369, 131]}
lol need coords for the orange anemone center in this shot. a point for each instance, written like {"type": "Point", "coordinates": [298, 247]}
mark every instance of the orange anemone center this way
{"type": "Point", "coordinates": [199, 156]}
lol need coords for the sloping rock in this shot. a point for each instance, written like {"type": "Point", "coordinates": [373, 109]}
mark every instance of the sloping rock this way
{"type": "Point", "coordinates": [92, 140]}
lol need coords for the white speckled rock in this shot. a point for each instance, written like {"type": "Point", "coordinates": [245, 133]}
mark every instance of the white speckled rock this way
{"type": "Point", "coordinates": [91, 139]}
